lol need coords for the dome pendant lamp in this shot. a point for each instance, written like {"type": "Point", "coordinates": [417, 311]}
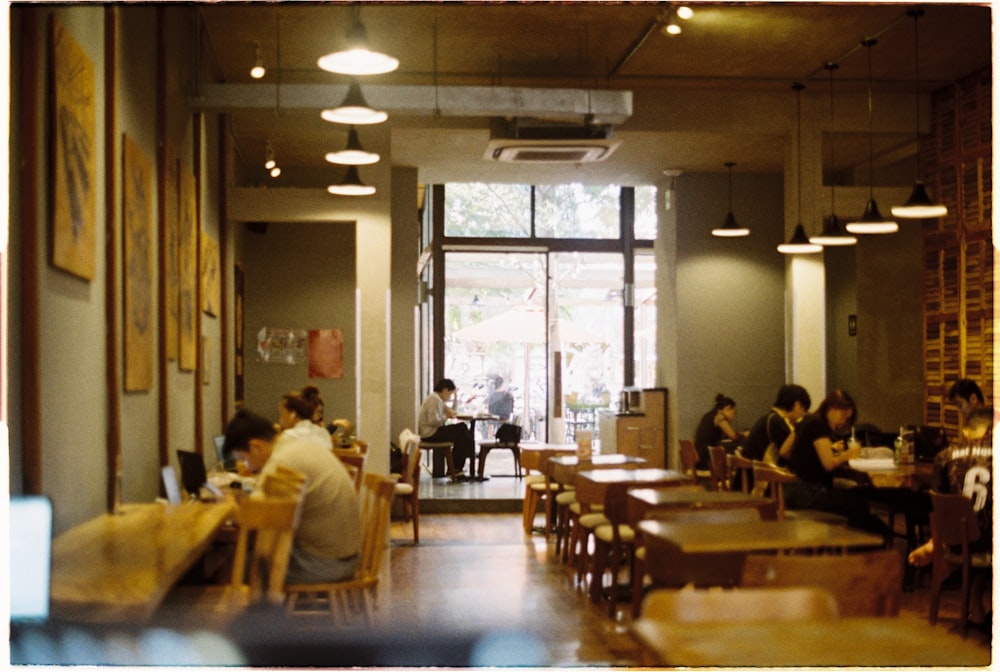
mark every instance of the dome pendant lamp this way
{"type": "Point", "coordinates": [351, 185]}
{"type": "Point", "coordinates": [872, 220]}
{"type": "Point", "coordinates": [919, 205]}
{"type": "Point", "coordinates": [353, 154]}
{"type": "Point", "coordinates": [730, 229]}
{"type": "Point", "coordinates": [354, 109]}
{"type": "Point", "coordinates": [799, 243]}
{"type": "Point", "coordinates": [833, 233]}
{"type": "Point", "coordinates": [358, 58]}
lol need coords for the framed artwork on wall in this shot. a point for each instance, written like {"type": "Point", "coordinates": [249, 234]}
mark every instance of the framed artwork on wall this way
{"type": "Point", "coordinates": [326, 353]}
{"type": "Point", "coordinates": [188, 266]}
{"type": "Point", "coordinates": [171, 247]}
{"type": "Point", "coordinates": [209, 275]}
{"type": "Point", "coordinates": [137, 206]}
{"type": "Point", "coordinates": [74, 161]}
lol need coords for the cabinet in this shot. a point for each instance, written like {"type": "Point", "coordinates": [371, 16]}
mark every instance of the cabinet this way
{"type": "Point", "coordinates": [644, 434]}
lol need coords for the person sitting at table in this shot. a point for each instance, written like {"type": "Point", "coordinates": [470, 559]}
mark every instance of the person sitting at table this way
{"type": "Point", "coordinates": [296, 411]}
{"type": "Point", "coordinates": [965, 394]}
{"type": "Point", "coordinates": [328, 538]}
{"type": "Point", "coordinates": [967, 468]}
{"type": "Point", "coordinates": [715, 426]}
{"type": "Point", "coordinates": [431, 425]}
{"type": "Point", "coordinates": [771, 437]}
{"type": "Point", "coordinates": [816, 453]}
{"type": "Point", "coordinates": [500, 402]}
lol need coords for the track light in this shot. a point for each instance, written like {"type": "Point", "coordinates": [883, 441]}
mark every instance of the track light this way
{"type": "Point", "coordinates": [799, 243]}
{"type": "Point", "coordinates": [871, 221]}
{"type": "Point", "coordinates": [354, 109]}
{"type": "Point", "coordinates": [730, 229]}
{"type": "Point", "coordinates": [269, 163]}
{"type": "Point", "coordinates": [353, 154]}
{"type": "Point", "coordinates": [351, 185]}
{"type": "Point", "coordinates": [919, 205]}
{"type": "Point", "coordinates": [668, 19]}
{"type": "Point", "coordinates": [357, 58]}
{"type": "Point", "coordinates": [258, 70]}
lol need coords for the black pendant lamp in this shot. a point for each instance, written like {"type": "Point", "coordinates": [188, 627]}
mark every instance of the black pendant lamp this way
{"type": "Point", "coordinates": [799, 243]}
{"type": "Point", "coordinates": [353, 154]}
{"type": "Point", "coordinates": [871, 221]}
{"type": "Point", "coordinates": [730, 229]}
{"type": "Point", "coordinates": [833, 233]}
{"type": "Point", "coordinates": [919, 205]}
{"type": "Point", "coordinates": [351, 185]}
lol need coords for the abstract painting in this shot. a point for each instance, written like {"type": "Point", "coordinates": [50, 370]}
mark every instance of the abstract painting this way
{"type": "Point", "coordinates": [171, 248]}
{"type": "Point", "coordinates": [137, 202]}
{"type": "Point", "coordinates": [74, 210]}
{"type": "Point", "coordinates": [188, 264]}
{"type": "Point", "coordinates": [209, 275]}
{"type": "Point", "coordinates": [326, 353]}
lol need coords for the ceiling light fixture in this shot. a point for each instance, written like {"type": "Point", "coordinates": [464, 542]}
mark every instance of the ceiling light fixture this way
{"type": "Point", "coordinates": [354, 109]}
{"type": "Point", "coordinates": [269, 163]}
{"type": "Point", "coordinates": [351, 185]}
{"type": "Point", "coordinates": [358, 58]}
{"type": "Point", "coordinates": [353, 154]}
{"type": "Point", "coordinates": [799, 243]}
{"type": "Point", "coordinates": [833, 233]}
{"type": "Point", "coordinates": [919, 205]}
{"type": "Point", "coordinates": [669, 17]}
{"type": "Point", "coordinates": [258, 70]}
{"type": "Point", "coordinates": [872, 220]}
{"type": "Point", "coordinates": [730, 229]}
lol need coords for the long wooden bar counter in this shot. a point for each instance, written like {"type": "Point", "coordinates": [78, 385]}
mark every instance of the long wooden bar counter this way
{"type": "Point", "coordinates": [118, 567]}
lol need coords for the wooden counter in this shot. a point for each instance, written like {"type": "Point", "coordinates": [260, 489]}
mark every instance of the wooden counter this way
{"type": "Point", "coordinates": [118, 567]}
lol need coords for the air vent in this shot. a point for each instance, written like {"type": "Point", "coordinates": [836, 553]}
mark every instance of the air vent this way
{"type": "Point", "coordinates": [533, 141]}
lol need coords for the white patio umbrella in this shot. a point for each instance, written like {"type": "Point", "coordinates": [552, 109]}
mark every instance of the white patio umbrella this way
{"type": "Point", "coordinates": [526, 324]}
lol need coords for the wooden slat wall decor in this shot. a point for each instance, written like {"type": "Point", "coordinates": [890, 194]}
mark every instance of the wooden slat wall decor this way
{"type": "Point", "coordinates": [958, 248]}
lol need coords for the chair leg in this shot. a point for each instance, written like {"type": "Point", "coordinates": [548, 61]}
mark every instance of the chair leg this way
{"type": "Point", "coordinates": [966, 589]}
{"type": "Point", "coordinates": [938, 575]}
{"type": "Point", "coordinates": [638, 575]}
{"type": "Point", "coordinates": [416, 521]}
{"type": "Point", "coordinates": [598, 565]}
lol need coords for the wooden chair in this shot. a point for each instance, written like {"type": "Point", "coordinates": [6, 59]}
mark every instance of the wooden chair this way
{"type": "Point", "coordinates": [536, 490]}
{"type": "Point", "coordinates": [864, 584]}
{"type": "Point", "coordinates": [354, 462]}
{"type": "Point", "coordinates": [719, 478]}
{"type": "Point", "coordinates": [447, 447]}
{"type": "Point", "coordinates": [508, 436]}
{"type": "Point", "coordinates": [741, 467]}
{"type": "Point", "coordinates": [284, 482]}
{"type": "Point", "coordinates": [741, 605]}
{"type": "Point", "coordinates": [954, 529]}
{"type": "Point", "coordinates": [689, 460]}
{"type": "Point", "coordinates": [346, 600]}
{"type": "Point", "coordinates": [408, 485]}
{"type": "Point", "coordinates": [770, 480]}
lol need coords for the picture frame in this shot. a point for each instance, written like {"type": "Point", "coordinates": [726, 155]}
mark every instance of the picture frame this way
{"type": "Point", "coordinates": [137, 259]}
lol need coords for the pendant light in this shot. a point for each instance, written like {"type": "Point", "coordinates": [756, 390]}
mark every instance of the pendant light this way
{"type": "Point", "coordinates": [799, 243]}
{"type": "Point", "coordinates": [833, 234]}
{"type": "Point", "coordinates": [258, 70]}
{"type": "Point", "coordinates": [351, 185]}
{"type": "Point", "coordinates": [354, 109]}
{"type": "Point", "coordinates": [353, 154]}
{"type": "Point", "coordinates": [358, 58]}
{"type": "Point", "coordinates": [919, 205]}
{"type": "Point", "coordinates": [272, 167]}
{"type": "Point", "coordinates": [730, 229]}
{"type": "Point", "coordinates": [871, 221]}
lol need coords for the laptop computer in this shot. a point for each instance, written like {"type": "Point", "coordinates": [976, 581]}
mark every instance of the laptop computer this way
{"type": "Point", "coordinates": [30, 558]}
{"type": "Point", "coordinates": [194, 477]}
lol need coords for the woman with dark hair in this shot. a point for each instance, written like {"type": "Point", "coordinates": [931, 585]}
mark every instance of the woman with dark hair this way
{"type": "Point", "coordinates": [716, 426]}
{"type": "Point", "coordinates": [817, 452]}
{"type": "Point", "coordinates": [296, 411]}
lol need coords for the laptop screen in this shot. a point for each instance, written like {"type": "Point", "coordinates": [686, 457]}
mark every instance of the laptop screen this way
{"type": "Point", "coordinates": [30, 558]}
{"type": "Point", "coordinates": [193, 474]}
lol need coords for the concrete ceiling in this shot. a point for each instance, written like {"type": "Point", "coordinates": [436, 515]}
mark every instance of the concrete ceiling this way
{"type": "Point", "coordinates": [756, 49]}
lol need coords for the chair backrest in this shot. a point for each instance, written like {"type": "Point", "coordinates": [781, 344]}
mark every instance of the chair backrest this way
{"type": "Point", "coordinates": [718, 467]}
{"type": "Point", "coordinates": [355, 465]}
{"type": "Point", "coordinates": [770, 479]}
{"type": "Point", "coordinates": [864, 584]}
{"type": "Point", "coordinates": [737, 464]}
{"type": "Point", "coordinates": [508, 434]}
{"type": "Point", "coordinates": [376, 507]}
{"type": "Point", "coordinates": [409, 442]}
{"type": "Point", "coordinates": [953, 521]}
{"type": "Point", "coordinates": [689, 457]}
{"type": "Point", "coordinates": [740, 605]}
{"type": "Point", "coordinates": [271, 521]}
{"type": "Point", "coordinates": [284, 482]}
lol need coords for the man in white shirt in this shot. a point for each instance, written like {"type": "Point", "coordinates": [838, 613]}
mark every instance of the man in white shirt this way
{"type": "Point", "coordinates": [431, 425]}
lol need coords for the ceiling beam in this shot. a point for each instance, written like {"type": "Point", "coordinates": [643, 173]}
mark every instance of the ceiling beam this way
{"type": "Point", "coordinates": [592, 105]}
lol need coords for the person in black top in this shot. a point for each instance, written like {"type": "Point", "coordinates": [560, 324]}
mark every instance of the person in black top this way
{"type": "Point", "coordinates": [500, 402]}
{"type": "Point", "coordinates": [715, 427]}
{"type": "Point", "coordinates": [790, 405]}
{"type": "Point", "coordinates": [817, 452]}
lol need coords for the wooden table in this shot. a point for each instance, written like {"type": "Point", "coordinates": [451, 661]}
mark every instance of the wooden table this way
{"type": "Point", "coordinates": [914, 476]}
{"type": "Point", "coordinates": [562, 469]}
{"type": "Point", "coordinates": [864, 642]}
{"type": "Point", "coordinates": [644, 501]}
{"type": "Point", "coordinates": [713, 554]}
{"type": "Point", "coordinates": [533, 454]}
{"type": "Point", "coordinates": [118, 567]}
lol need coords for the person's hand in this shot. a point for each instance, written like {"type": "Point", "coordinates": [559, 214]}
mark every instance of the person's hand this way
{"type": "Point", "coordinates": [922, 556]}
{"type": "Point", "coordinates": [853, 451]}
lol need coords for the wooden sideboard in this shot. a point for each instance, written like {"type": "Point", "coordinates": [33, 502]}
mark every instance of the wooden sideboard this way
{"type": "Point", "coordinates": [645, 434]}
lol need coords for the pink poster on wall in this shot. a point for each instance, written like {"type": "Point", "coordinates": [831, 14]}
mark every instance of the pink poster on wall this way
{"type": "Point", "coordinates": [326, 353]}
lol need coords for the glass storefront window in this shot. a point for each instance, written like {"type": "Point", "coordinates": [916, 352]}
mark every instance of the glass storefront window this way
{"type": "Point", "coordinates": [645, 213]}
{"type": "Point", "coordinates": [487, 210]}
{"type": "Point", "coordinates": [577, 211]}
